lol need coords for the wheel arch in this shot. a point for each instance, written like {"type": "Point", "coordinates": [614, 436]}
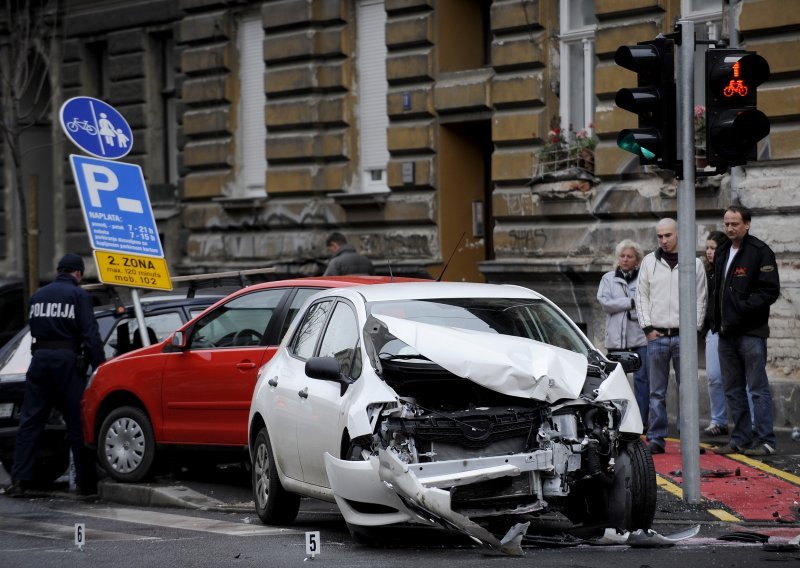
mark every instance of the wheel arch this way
{"type": "Point", "coordinates": [116, 400]}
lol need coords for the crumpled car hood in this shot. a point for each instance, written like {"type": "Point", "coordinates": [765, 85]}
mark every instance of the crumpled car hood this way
{"type": "Point", "coordinates": [513, 366]}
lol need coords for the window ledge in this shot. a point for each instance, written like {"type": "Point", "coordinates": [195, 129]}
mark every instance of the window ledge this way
{"type": "Point", "coordinates": [240, 202]}
{"type": "Point", "coordinates": [375, 199]}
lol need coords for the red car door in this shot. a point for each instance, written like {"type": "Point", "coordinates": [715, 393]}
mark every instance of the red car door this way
{"type": "Point", "coordinates": [207, 388]}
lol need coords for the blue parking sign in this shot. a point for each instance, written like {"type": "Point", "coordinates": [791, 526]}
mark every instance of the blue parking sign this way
{"type": "Point", "coordinates": [96, 128]}
{"type": "Point", "coordinates": [116, 206]}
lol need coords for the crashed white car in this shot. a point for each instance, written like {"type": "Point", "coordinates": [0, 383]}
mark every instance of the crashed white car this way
{"type": "Point", "coordinates": [476, 407]}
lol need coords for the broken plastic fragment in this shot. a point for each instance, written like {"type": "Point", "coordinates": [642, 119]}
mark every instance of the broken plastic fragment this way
{"type": "Point", "coordinates": [612, 536]}
{"type": "Point", "coordinates": [651, 539]}
{"type": "Point", "coordinates": [512, 542]}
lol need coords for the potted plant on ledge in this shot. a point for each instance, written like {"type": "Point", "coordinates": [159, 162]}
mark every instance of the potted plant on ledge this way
{"type": "Point", "coordinates": [700, 159]}
{"type": "Point", "coordinates": [566, 156]}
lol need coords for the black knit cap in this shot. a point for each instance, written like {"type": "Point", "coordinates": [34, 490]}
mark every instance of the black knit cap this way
{"type": "Point", "coordinates": [71, 261]}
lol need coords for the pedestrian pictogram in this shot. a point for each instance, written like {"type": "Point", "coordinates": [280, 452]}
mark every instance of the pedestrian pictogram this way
{"type": "Point", "coordinates": [96, 127]}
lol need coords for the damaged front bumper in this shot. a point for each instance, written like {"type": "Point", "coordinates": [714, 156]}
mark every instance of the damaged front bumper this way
{"type": "Point", "coordinates": [386, 490]}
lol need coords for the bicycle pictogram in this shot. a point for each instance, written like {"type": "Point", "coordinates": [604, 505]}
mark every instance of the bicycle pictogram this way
{"type": "Point", "coordinates": [76, 125]}
{"type": "Point", "coordinates": [735, 88]}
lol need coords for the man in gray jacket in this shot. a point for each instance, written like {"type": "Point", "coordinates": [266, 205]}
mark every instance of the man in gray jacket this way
{"type": "Point", "coordinates": [345, 258]}
{"type": "Point", "coordinates": [659, 317]}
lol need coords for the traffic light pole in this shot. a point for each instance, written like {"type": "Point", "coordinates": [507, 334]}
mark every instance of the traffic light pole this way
{"type": "Point", "coordinates": [687, 238]}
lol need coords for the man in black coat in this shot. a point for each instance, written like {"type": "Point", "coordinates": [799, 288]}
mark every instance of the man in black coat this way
{"type": "Point", "coordinates": [746, 284]}
{"type": "Point", "coordinates": [64, 331]}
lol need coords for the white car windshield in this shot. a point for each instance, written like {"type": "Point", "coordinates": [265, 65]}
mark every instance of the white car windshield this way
{"type": "Point", "coordinates": [517, 317]}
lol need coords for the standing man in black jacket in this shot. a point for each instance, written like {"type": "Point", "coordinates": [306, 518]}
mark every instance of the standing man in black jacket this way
{"type": "Point", "coordinates": [63, 328]}
{"type": "Point", "coordinates": [746, 284]}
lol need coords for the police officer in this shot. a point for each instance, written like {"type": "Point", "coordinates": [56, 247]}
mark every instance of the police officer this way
{"type": "Point", "coordinates": [63, 328]}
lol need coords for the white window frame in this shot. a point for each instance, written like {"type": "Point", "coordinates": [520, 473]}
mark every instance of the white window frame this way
{"type": "Point", "coordinates": [709, 21]}
{"type": "Point", "coordinates": [584, 36]}
{"type": "Point", "coordinates": [372, 93]}
{"type": "Point", "coordinates": [251, 133]}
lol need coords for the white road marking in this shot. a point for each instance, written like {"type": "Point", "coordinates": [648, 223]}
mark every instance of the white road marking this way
{"type": "Point", "coordinates": [170, 520]}
{"type": "Point", "coordinates": [62, 532]}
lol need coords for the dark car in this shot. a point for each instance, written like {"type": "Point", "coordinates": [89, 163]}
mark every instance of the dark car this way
{"type": "Point", "coordinates": [119, 331]}
{"type": "Point", "coordinates": [12, 307]}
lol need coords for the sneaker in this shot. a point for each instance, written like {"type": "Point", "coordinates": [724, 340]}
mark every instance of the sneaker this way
{"type": "Point", "coordinates": [715, 430]}
{"type": "Point", "coordinates": [655, 448]}
{"type": "Point", "coordinates": [727, 449]}
{"type": "Point", "coordinates": [762, 449]}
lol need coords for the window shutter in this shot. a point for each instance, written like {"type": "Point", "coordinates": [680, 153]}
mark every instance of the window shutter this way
{"type": "Point", "coordinates": [372, 92]}
{"type": "Point", "coordinates": [252, 128]}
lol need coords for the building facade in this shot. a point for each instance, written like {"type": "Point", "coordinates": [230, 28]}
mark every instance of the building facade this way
{"type": "Point", "coordinates": [475, 132]}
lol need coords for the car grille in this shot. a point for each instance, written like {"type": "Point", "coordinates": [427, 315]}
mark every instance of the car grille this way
{"type": "Point", "coordinates": [470, 429]}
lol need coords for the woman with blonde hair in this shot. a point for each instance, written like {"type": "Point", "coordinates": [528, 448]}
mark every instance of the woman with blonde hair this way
{"type": "Point", "coordinates": [616, 296]}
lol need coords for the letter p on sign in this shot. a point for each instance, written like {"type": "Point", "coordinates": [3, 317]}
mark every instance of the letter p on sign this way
{"type": "Point", "coordinates": [100, 178]}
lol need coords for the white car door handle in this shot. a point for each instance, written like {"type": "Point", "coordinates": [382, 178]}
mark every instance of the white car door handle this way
{"type": "Point", "coordinates": [303, 393]}
{"type": "Point", "coordinates": [273, 382]}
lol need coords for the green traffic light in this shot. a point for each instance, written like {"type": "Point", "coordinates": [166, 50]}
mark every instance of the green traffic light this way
{"type": "Point", "coordinates": [628, 141]}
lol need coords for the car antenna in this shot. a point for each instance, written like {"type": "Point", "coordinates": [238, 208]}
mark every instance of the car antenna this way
{"type": "Point", "coordinates": [388, 261]}
{"type": "Point", "coordinates": [451, 256]}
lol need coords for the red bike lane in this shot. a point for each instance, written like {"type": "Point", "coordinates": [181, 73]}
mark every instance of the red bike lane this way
{"type": "Point", "coordinates": [748, 489]}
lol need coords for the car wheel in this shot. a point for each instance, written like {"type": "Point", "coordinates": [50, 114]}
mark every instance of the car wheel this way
{"type": "Point", "coordinates": [126, 446]}
{"type": "Point", "coordinates": [643, 486]}
{"type": "Point", "coordinates": [632, 494]}
{"type": "Point", "coordinates": [274, 505]}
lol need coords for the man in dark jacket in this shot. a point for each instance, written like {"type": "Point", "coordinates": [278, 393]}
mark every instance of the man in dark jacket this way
{"type": "Point", "coordinates": [63, 327]}
{"type": "Point", "coordinates": [345, 258]}
{"type": "Point", "coordinates": [746, 284]}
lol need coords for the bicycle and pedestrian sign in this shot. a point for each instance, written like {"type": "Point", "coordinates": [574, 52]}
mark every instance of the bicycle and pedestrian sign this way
{"type": "Point", "coordinates": [96, 127]}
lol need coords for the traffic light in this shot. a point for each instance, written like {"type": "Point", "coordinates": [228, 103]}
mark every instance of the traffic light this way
{"type": "Point", "coordinates": [733, 123]}
{"type": "Point", "coordinates": [653, 100]}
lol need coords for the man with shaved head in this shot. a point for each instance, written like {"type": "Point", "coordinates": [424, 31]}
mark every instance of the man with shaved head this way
{"type": "Point", "coordinates": [659, 317]}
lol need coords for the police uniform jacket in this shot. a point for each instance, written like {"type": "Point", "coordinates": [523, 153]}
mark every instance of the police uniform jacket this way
{"type": "Point", "coordinates": [61, 317]}
{"type": "Point", "coordinates": [742, 297]}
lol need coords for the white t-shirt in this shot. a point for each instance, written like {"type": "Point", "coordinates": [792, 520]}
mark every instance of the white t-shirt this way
{"type": "Point", "coordinates": [731, 254]}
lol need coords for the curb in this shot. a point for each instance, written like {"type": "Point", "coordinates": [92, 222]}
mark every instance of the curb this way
{"type": "Point", "coordinates": [177, 496]}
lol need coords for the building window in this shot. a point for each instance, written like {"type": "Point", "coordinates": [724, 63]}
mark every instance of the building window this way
{"type": "Point", "coordinates": [169, 103]}
{"type": "Point", "coordinates": [707, 18]}
{"type": "Point", "coordinates": [576, 39]}
{"type": "Point", "coordinates": [252, 131]}
{"type": "Point", "coordinates": [95, 70]}
{"type": "Point", "coordinates": [162, 130]}
{"type": "Point", "coordinates": [372, 92]}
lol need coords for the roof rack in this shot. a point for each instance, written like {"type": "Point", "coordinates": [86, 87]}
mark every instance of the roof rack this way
{"type": "Point", "coordinates": [240, 278]}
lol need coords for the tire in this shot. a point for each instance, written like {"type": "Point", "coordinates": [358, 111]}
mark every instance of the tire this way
{"type": "Point", "coordinates": [274, 505]}
{"type": "Point", "coordinates": [126, 446]}
{"type": "Point", "coordinates": [643, 486]}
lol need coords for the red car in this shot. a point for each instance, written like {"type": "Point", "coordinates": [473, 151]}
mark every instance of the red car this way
{"type": "Point", "coordinates": [193, 390]}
